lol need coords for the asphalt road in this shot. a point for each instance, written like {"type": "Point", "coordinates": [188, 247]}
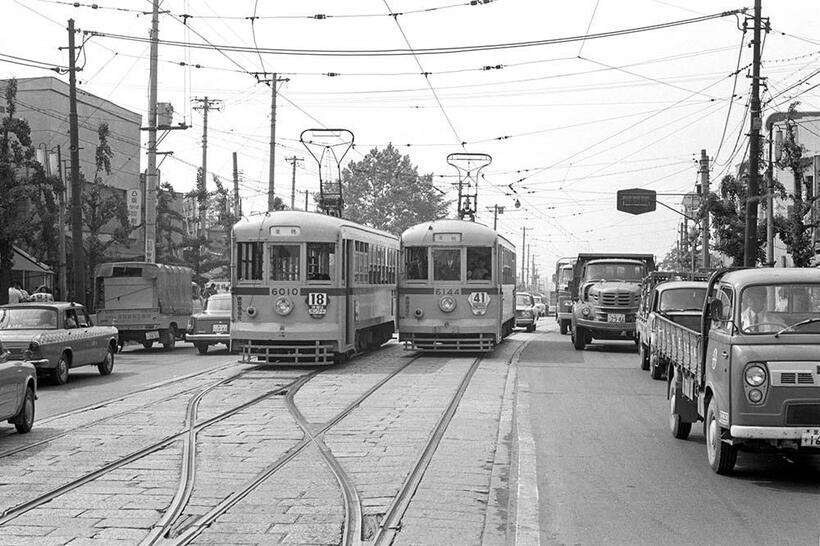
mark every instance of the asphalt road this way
{"type": "Point", "coordinates": [610, 472]}
{"type": "Point", "coordinates": [135, 368]}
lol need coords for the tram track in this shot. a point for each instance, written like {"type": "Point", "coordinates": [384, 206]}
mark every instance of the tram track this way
{"type": "Point", "coordinates": [191, 429]}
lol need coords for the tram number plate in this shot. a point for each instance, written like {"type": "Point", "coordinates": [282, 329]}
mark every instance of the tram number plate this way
{"type": "Point", "coordinates": [317, 310]}
{"type": "Point", "coordinates": [151, 335]}
{"type": "Point", "coordinates": [810, 438]}
{"type": "Point", "coordinates": [616, 317]}
{"type": "Point", "coordinates": [220, 328]}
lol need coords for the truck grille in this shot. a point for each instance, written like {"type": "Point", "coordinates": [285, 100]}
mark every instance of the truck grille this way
{"type": "Point", "coordinates": [796, 378]}
{"type": "Point", "coordinates": [615, 299]}
{"type": "Point", "coordinates": [803, 414]}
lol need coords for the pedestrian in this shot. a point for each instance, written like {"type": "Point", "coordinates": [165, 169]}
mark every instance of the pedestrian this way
{"type": "Point", "coordinates": [15, 293]}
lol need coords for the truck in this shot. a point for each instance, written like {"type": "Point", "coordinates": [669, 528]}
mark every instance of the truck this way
{"type": "Point", "coordinates": [675, 295]}
{"type": "Point", "coordinates": [751, 370]}
{"type": "Point", "coordinates": [605, 292]}
{"type": "Point", "coordinates": [562, 279]}
{"type": "Point", "coordinates": [146, 302]}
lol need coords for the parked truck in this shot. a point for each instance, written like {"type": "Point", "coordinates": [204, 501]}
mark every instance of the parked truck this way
{"type": "Point", "coordinates": [563, 298]}
{"type": "Point", "coordinates": [147, 302]}
{"type": "Point", "coordinates": [751, 371]}
{"type": "Point", "coordinates": [606, 292]}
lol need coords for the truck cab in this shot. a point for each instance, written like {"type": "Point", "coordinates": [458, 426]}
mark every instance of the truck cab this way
{"type": "Point", "coordinates": [756, 380]}
{"type": "Point", "coordinates": [563, 297]}
{"type": "Point", "coordinates": [606, 295]}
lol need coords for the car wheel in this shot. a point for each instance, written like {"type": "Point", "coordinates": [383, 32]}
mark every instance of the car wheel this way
{"type": "Point", "coordinates": [147, 344]}
{"type": "Point", "coordinates": [202, 348]}
{"type": "Point", "coordinates": [722, 456]}
{"type": "Point", "coordinates": [25, 419]}
{"type": "Point", "coordinates": [643, 351]}
{"type": "Point", "coordinates": [107, 365]}
{"type": "Point", "coordinates": [60, 373]}
{"type": "Point", "coordinates": [170, 339]}
{"type": "Point", "coordinates": [579, 338]}
{"type": "Point", "coordinates": [680, 430]}
{"type": "Point", "coordinates": [531, 327]}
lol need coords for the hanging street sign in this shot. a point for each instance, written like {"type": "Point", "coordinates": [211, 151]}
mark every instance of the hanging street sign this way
{"type": "Point", "coordinates": [637, 200]}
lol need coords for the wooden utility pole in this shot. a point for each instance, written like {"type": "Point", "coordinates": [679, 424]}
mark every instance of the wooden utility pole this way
{"type": "Point", "coordinates": [704, 190]}
{"type": "Point", "coordinates": [77, 252]}
{"type": "Point", "coordinates": [151, 172]}
{"type": "Point", "coordinates": [205, 105]}
{"type": "Point", "coordinates": [237, 203]}
{"type": "Point", "coordinates": [273, 82]}
{"type": "Point", "coordinates": [523, 252]}
{"type": "Point", "coordinates": [753, 199]}
{"type": "Point", "coordinates": [293, 160]}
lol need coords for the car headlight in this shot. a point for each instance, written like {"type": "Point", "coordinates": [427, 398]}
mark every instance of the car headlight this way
{"type": "Point", "coordinates": [447, 304]}
{"type": "Point", "coordinates": [755, 375]}
{"type": "Point", "coordinates": [755, 396]}
{"type": "Point", "coordinates": [585, 311]}
{"type": "Point", "coordinates": [283, 306]}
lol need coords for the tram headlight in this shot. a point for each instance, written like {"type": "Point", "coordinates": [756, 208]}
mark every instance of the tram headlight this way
{"type": "Point", "coordinates": [251, 311]}
{"type": "Point", "coordinates": [447, 304]}
{"type": "Point", "coordinates": [283, 306]}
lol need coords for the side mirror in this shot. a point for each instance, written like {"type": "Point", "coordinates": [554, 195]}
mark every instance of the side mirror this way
{"type": "Point", "coordinates": [716, 310]}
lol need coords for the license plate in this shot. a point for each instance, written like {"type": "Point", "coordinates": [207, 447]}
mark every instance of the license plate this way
{"type": "Point", "coordinates": [317, 310]}
{"type": "Point", "coordinates": [151, 335]}
{"type": "Point", "coordinates": [616, 317]}
{"type": "Point", "coordinates": [810, 438]}
{"type": "Point", "coordinates": [220, 328]}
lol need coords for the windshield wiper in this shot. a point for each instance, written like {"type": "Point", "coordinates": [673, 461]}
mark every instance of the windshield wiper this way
{"type": "Point", "coordinates": [795, 325]}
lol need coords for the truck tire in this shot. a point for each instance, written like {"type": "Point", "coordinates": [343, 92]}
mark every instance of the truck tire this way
{"type": "Point", "coordinates": [655, 367]}
{"type": "Point", "coordinates": [643, 351]}
{"type": "Point", "coordinates": [147, 344]}
{"type": "Point", "coordinates": [579, 338]}
{"type": "Point", "coordinates": [722, 456]}
{"type": "Point", "coordinates": [564, 327]}
{"type": "Point", "coordinates": [680, 430]}
{"type": "Point", "coordinates": [202, 348]}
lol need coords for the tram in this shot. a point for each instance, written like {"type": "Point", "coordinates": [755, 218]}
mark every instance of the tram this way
{"type": "Point", "coordinates": [456, 287]}
{"type": "Point", "coordinates": [309, 288]}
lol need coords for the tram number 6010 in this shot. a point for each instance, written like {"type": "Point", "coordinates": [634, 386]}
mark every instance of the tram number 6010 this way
{"type": "Point", "coordinates": [284, 291]}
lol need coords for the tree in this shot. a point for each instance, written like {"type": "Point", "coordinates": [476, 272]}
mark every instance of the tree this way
{"type": "Point", "coordinates": [384, 190]}
{"type": "Point", "coordinates": [170, 226]}
{"type": "Point", "coordinates": [15, 153]}
{"type": "Point", "coordinates": [793, 230]}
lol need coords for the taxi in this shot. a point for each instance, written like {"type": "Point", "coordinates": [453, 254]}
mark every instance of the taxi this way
{"type": "Point", "coordinates": [55, 337]}
{"type": "Point", "coordinates": [212, 325]}
{"type": "Point", "coordinates": [18, 391]}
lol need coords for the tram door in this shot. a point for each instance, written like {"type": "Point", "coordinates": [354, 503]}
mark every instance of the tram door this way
{"type": "Point", "coordinates": [348, 266]}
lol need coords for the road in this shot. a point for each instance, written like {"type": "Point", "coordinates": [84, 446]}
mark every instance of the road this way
{"type": "Point", "coordinates": [610, 472]}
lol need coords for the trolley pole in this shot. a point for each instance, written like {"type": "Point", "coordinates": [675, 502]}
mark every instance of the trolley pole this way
{"type": "Point", "coordinates": [753, 199]}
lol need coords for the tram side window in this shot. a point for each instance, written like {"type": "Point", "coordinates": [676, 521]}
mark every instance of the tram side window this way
{"type": "Point", "coordinates": [479, 263]}
{"type": "Point", "coordinates": [249, 261]}
{"type": "Point", "coordinates": [284, 262]}
{"type": "Point", "coordinates": [415, 263]}
{"type": "Point", "coordinates": [507, 266]}
{"type": "Point", "coordinates": [321, 261]}
{"type": "Point", "coordinates": [447, 264]}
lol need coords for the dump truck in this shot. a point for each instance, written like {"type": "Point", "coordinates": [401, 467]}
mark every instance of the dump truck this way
{"type": "Point", "coordinates": [751, 370]}
{"type": "Point", "coordinates": [148, 303]}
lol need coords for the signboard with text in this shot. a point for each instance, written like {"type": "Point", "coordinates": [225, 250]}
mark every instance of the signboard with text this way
{"type": "Point", "coordinates": [134, 201]}
{"type": "Point", "coordinates": [637, 200]}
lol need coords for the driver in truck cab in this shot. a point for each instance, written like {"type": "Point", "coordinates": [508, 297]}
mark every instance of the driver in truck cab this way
{"type": "Point", "coordinates": [754, 315]}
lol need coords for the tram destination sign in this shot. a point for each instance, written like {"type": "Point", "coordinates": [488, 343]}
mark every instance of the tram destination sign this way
{"type": "Point", "coordinates": [637, 200]}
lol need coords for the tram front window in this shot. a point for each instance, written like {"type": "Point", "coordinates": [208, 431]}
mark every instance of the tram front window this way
{"type": "Point", "coordinates": [415, 263]}
{"type": "Point", "coordinates": [284, 262]}
{"type": "Point", "coordinates": [479, 260]}
{"type": "Point", "coordinates": [447, 264]}
{"type": "Point", "coordinates": [321, 261]}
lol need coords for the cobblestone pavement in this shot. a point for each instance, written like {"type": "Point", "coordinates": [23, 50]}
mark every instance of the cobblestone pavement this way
{"type": "Point", "coordinates": [462, 499]}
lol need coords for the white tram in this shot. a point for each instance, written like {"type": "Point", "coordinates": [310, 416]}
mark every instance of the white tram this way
{"type": "Point", "coordinates": [310, 288]}
{"type": "Point", "coordinates": [456, 288]}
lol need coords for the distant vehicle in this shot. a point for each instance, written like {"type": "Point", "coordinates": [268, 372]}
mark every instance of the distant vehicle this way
{"type": "Point", "coordinates": [456, 287]}
{"type": "Point", "coordinates": [750, 371]}
{"type": "Point", "coordinates": [606, 294]}
{"type": "Point", "coordinates": [18, 391]}
{"type": "Point", "coordinates": [212, 325]}
{"type": "Point", "coordinates": [55, 337]}
{"type": "Point", "coordinates": [525, 311]}
{"type": "Point", "coordinates": [562, 279]}
{"type": "Point", "coordinates": [675, 295]}
{"type": "Point", "coordinates": [147, 302]}
{"type": "Point", "coordinates": [540, 305]}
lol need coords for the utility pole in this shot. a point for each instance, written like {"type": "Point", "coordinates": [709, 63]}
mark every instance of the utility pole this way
{"type": "Point", "coordinates": [496, 211]}
{"type": "Point", "coordinates": [271, 169]}
{"type": "Point", "coordinates": [753, 199]}
{"type": "Point", "coordinates": [293, 160]}
{"type": "Point", "coordinates": [151, 172]}
{"type": "Point", "coordinates": [237, 203]}
{"type": "Point", "coordinates": [523, 252]}
{"type": "Point", "coordinates": [306, 200]}
{"type": "Point", "coordinates": [704, 190]}
{"type": "Point", "coordinates": [78, 255]}
{"type": "Point", "coordinates": [205, 105]}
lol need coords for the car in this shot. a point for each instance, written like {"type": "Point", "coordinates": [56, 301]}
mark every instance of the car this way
{"type": "Point", "coordinates": [540, 306]}
{"type": "Point", "coordinates": [56, 337]}
{"type": "Point", "coordinates": [212, 325]}
{"type": "Point", "coordinates": [18, 391]}
{"type": "Point", "coordinates": [525, 311]}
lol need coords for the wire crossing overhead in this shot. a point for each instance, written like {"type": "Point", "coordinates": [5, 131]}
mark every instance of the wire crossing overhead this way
{"type": "Point", "coordinates": [420, 51]}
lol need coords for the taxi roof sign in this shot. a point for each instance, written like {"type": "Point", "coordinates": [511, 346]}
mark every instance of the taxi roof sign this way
{"type": "Point", "coordinates": [637, 200]}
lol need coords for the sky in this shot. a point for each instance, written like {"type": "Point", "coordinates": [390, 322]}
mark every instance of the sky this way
{"type": "Point", "coordinates": [567, 124]}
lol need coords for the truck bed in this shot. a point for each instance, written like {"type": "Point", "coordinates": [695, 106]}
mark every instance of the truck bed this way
{"type": "Point", "coordinates": [678, 345]}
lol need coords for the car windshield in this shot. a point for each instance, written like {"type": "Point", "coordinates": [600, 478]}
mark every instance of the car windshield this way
{"type": "Point", "coordinates": [523, 300]}
{"type": "Point", "coordinates": [682, 299]}
{"type": "Point", "coordinates": [217, 304]}
{"type": "Point", "coordinates": [28, 319]}
{"type": "Point", "coordinates": [614, 271]}
{"type": "Point", "coordinates": [791, 308]}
